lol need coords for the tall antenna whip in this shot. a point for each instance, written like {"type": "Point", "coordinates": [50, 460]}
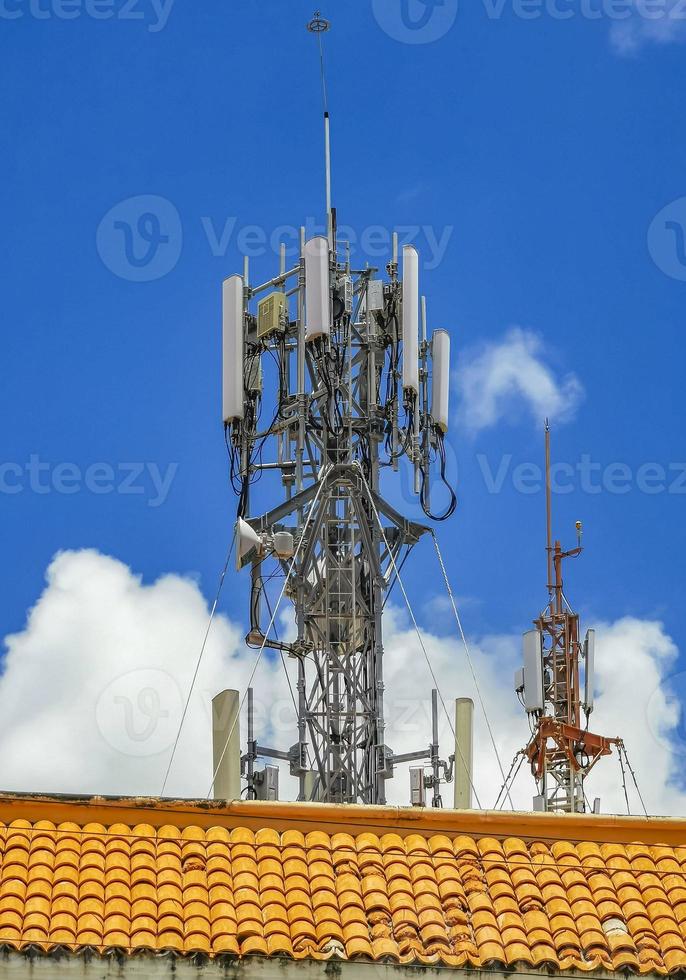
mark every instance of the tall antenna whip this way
{"type": "Point", "coordinates": [318, 25]}
{"type": "Point", "coordinates": [548, 510]}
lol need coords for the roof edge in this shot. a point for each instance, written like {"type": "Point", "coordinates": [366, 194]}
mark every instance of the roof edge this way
{"type": "Point", "coordinates": [333, 818]}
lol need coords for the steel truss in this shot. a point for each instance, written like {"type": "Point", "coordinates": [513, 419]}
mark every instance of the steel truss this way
{"type": "Point", "coordinates": [338, 587]}
{"type": "Point", "coordinates": [341, 415]}
{"type": "Point", "coordinates": [562, 751]}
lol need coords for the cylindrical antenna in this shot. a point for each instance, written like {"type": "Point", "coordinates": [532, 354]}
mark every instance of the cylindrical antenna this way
{"type": "Point", "coordinates": [226, 745]}
{"type": "Point", "coordinates": [464, 753]}
{"type": "Point", "coordinates": [318, 25]}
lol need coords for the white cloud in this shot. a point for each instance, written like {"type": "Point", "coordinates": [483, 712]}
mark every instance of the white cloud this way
{"type": "Point", "coordinates": [636, 688]}
{"type": "Point", "coordinates": [649, 23]}
{"type": "Point", "coordinates": [637, 699]}
{"type": "Point", "coordinates": [93, 688]}
{"type": "Point", "coordinates": [497, 380]}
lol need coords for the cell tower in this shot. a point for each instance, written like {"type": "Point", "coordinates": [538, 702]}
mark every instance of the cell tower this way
{"type": "Point", "coordinates": [562, 751]}
{"type": "Point", "coordinates": [359, 384]}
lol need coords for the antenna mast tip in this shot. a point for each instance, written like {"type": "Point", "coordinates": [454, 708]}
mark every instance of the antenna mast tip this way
{"type": "Point", "coordinates": [318, 25]}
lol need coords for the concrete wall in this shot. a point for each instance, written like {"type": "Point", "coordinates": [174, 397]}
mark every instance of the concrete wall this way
{"type": "Point", "coordinates": [83, 966]}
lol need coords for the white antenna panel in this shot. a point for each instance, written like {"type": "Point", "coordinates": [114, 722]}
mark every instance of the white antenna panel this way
{"type": "Point", "coordinates": [317, 288]}
{"type": "Point", "coordinates": [532, 646]}
{"type": "Point", "coordinates": [440, 384]}
{"type": "Point", "coordinates": [232, 357]}
{"type": "Point", "coordinates": [410, 315]}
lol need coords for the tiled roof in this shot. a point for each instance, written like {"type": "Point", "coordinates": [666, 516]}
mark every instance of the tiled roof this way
{"type": "Point", "coordinates": [211, 882]}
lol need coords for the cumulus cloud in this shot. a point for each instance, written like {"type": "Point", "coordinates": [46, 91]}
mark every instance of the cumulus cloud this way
{"type": "Point", "coordinates": [93, 688]}
{"type": "Point", "coordinates": [649, 23]}
{"type": "Point", "coordinates": [499, 380]}
{"type": "Point", "coordinates": [638, 697]}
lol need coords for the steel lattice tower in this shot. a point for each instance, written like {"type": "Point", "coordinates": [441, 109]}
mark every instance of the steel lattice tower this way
{"type": "Point", "coordinates": [355, 386]}
{"type": "Point", "coordinates": [334, 537]}
{"type": "Point", "coordinates": [562, 751]}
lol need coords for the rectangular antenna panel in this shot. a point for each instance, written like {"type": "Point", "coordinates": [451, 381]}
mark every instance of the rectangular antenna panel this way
{"type": "Point", "coordinates": [417, 789]}
{"type": "Point", "coordinates": [589, 670]}
{"type": "Point", "coordinates": [375, 295]}
{"type": "Point", "coordinates": [268, 786]}
{"type": "Point", "coordinates": [346, 284]}
{"type": "Point", "coordinates": [440, 381]}
{"type": "Point", "coordinates": [317, 288]}
{"type": "Point", "coordinates": [232, 348]}
{"type": "Point", "coordinates": [410, 318]}
{"type": "Point", "coordinates": [272, 314]}
{"type": "Point", "coordinates": [533, 670]}
{"type": "Point", "coordinates": [253, 380]}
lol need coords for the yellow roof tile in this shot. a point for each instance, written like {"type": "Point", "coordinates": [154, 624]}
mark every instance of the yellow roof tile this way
{"type": "Point", "coordinates": [423, 888]}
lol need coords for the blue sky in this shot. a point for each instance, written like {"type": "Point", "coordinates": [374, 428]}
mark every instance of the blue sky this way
{"type": "Point", "coordinates": [542, 149]}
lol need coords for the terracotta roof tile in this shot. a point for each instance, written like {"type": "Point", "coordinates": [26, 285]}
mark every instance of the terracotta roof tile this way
{"type": "Point", "coordinates": [452, 899]}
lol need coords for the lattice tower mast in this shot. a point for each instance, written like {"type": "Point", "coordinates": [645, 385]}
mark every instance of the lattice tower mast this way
{"type": "Point", "coordinates": [361, 386]}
